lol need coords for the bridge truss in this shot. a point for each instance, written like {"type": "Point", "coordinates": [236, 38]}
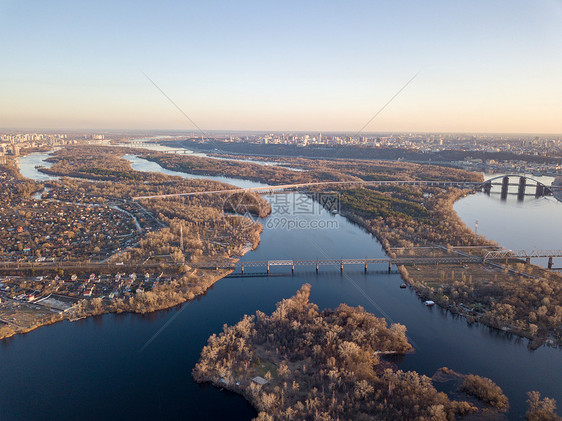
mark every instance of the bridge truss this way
{"type": "Point", "coordinates": [521, 254]}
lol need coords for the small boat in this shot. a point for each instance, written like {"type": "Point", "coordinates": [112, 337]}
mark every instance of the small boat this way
{"type": "Point", "coordinates": [429, 303]}
{"type": "Point", "coordinates": [403, 285]}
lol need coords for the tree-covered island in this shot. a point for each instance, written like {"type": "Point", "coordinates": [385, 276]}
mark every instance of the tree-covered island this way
{"type": "Point", "coordinates": [304, 364]}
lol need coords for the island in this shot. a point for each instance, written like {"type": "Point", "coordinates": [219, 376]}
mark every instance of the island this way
{"type": "Point", "coordinates": [304, 364]}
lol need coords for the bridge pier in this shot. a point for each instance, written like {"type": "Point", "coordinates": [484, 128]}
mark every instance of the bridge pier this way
{"type": "Point", "coordinates": [521, 189]}
{"type": "Point", "coordinates": [505, 186]}
{"type": "Point", "coordinates": [550, 262]}
{"type": "Point", "coordinates": [527, 260]}
{"type": "Point", "coordinates": [316, 266]}
{"type": "Point", "coordinates": [540, 191]}
{"type": "Point", "coordinates": [389, 267]}
{"type": "Point", "coordinates": [365, 267]}
{"type": "Point", "coordinates": [488, 187]}
{"type": "Point", "coordinates": [293, 268]}
{"type": "Point", "coordinates": [242, 268]}
{"type": "Point", "coordinates": [268, 268]}
{"type": "Point", "coordinates": [341, 266]}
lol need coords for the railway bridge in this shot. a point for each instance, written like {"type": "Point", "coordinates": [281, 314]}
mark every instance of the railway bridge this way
{"type": "Point", "coordinates": [503, 254]}
{"type": "Point", "coordinates": [457, 258]}
{"type": "Point", "coordinates": [454, 257]}
{"type": "Point", "coordinates": [365, 262]}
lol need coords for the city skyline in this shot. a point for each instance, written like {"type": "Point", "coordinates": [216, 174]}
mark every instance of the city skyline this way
{"type": "Point", "coordinates": [294, 67]}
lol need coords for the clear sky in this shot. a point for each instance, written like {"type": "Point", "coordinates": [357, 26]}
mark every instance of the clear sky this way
{"type": "Point", "coordinates": [324, 65]}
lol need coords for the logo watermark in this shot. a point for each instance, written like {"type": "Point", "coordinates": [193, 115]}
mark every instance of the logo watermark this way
{"type": "Point", "coordinates": [303, 211]}
{"type": "Point", "coordinates": [292, 223]}
{"type": "Point", "coordinates": [288, 210]}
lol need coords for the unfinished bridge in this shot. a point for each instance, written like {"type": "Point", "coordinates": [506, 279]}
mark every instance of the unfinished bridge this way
{"type": "Point", "coordinates": [522, 183]}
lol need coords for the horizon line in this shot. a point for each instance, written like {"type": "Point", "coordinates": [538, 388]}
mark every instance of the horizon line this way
{"type": "Point", "coordinates": [257, 131]}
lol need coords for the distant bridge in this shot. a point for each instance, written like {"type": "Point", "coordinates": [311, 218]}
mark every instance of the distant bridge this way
{"type": "Point", "coordinates": [486, 186]}
{"type": "Point", "coordinates": [181, 151]}
{"type": "Point", "coordinates": [522, 183]}
{"type": "Point", "coordinates": [522, 254]}
{"type": "Point", "coordinates": [141, 143]}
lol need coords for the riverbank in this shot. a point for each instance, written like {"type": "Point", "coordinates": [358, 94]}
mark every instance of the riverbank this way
{"type": "Point", "coordinates": [507, 296]}
{"type": "Point", "coordinates": [178, 292]}
{"type": "Point", "coordinates": [406, 217]}
{"type": "Point", "coordinates": [300, 363]}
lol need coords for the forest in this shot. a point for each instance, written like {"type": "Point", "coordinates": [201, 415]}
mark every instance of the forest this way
{"type": "Point", "coordinates": [517, 297]}
{"type": "Point", "coordinates": [301, 363]}
{"type": "Point", "coordinates": [352, 152]}
{"type": "Point", "coordinates": [525, 300]}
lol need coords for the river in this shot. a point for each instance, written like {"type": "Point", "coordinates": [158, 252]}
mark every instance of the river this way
{"type": "Point", "coordinates": [133, 366]}
{"type": "Point", "coordinates": [28, 164]}
{"type": "Point", "coordinates": [150, 143]}
{"type": "Point", "coordinates": [533, 224]}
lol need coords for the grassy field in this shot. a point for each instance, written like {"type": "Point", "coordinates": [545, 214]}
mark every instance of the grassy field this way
{"type": "Point", "coordinates": [24, 315]}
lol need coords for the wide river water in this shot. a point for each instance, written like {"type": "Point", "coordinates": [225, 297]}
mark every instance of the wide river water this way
{"type": "Point", "coordinates": [133, 366]}
{"type": "Point", "coordinates": [532, 224]}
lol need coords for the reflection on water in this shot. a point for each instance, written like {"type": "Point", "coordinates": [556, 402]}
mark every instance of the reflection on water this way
{"type": "Point", "coordinates": [534, 224]}
{"type": "Point", "coordinates": [28, 164]}
{"type": "Point", "coordinates": [140, 164]}
{"type": "Point", "coordinates": [531, 224]}
{"type": "Point", "coordinates": [148, 143]}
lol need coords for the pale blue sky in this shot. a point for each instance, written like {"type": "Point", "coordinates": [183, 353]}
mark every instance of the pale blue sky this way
{"type": "Point", "coordinates": [485, 66]}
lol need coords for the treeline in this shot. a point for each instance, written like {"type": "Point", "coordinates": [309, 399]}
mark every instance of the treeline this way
{"type": "Point", "coordinates": [541, 409]}
{"type": "Point", "coordinates": [369, 203]}
{"type": "Point", "coordinates": [114, 178]}
{"type": "Point", "coordinates": [186, 286]}
{"type": "Point", "coordinates": [404, 216]}
{"type": "Point", "coordinates": [195, 232]}
{"type": "Point", "coordinates": [14, 185]}
{"type": "Point", "coordinates": [354, 152]}
{"type": "Point", "coordinates": [485, 390]}
{"type": "Point", "coordinates": [325, 365]}
{"type": "Point", "coordinates": [529, 306]}
{"type": "Point", "coordinates": [316, 170]}
{"type": "Point", "coordinates": [216, 167]}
